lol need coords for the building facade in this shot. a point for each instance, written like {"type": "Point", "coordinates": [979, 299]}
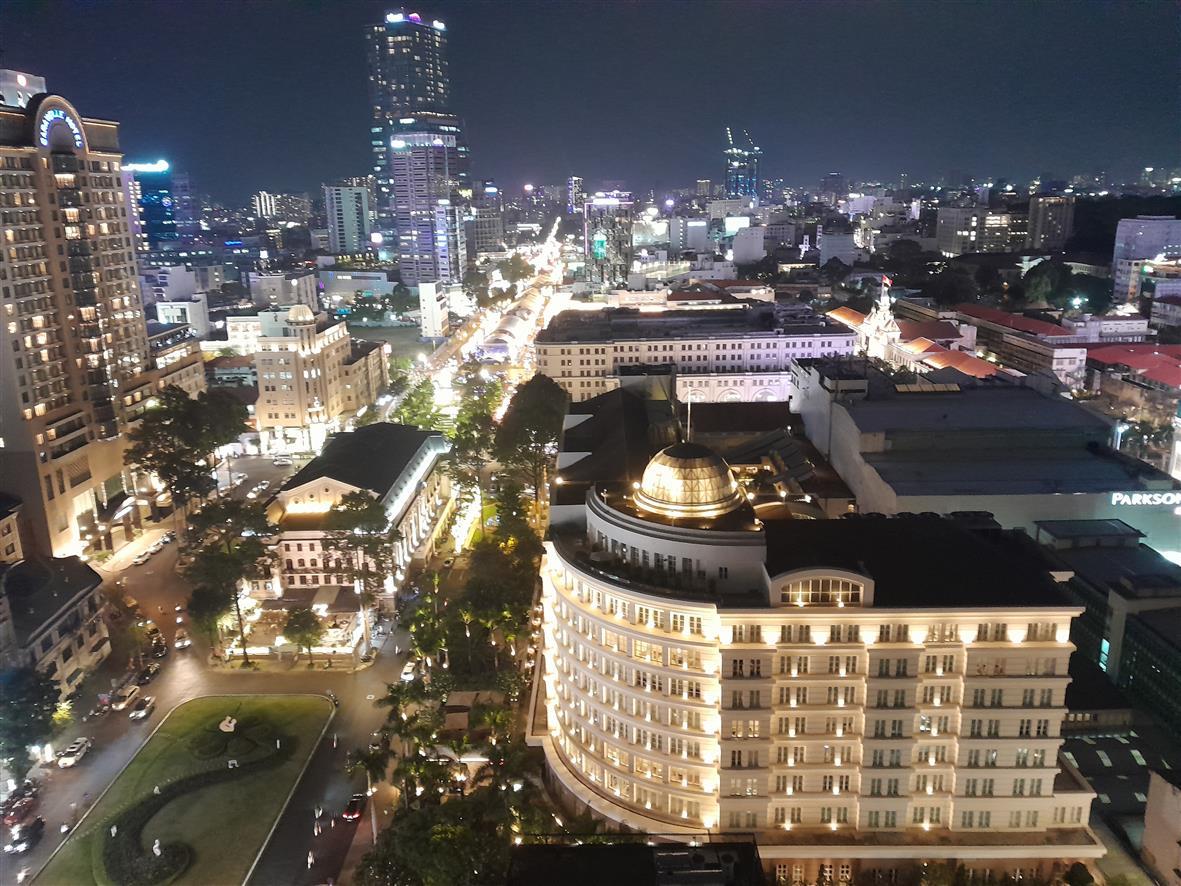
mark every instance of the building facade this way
{"type": "Point", "coordinates": [1051, 222]}
{"type": "Point", "coordinates": [306, 365]}
{"type": "Point", "coordinates": [973, 229]}
{"type": "Point", "coordinates": [282, 290]}
{"type": "Point", "coordinates": [735, 353]}
{"type": "Point", "coordinates": [1138, 241]}
{"type": "Point", "coordinates": [742, 167]}
{"type": "Point", "coordinates": [707, 670]}
{"type": "Point", "coordinates": [346, 206]}
{"type": "Point", "coordinates": [607, 237]}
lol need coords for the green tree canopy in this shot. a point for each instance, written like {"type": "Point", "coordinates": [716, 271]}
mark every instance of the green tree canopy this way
{"type": "Point", "coordinates": [303, 628]}
{"type": "Point", "coordinates": [360, 532]}
{"type": "Point", "coordinates": [527, 435]}
{"type": "Point", "coordinates": [1048, 282]}
{"type": "Point", "coordinates": [514, 269]}
{"type": "Point", "coordinates": [28, 699]}
{"type": "Point", "coordinates": [1090, 293]}
{"type": "Point", "coordinates": [951, 287]}
{"type": "Point", "coordinates": [475, 287]}
{"type": "Point", "coordinates": [418, 407]}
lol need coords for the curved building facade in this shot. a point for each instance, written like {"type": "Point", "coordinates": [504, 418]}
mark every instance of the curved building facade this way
{"type": "Point", "coordinates": [832, 686]}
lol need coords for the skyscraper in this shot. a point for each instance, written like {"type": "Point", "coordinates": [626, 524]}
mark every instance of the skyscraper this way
{"type": "Point", "coordinates": [575, 195]}
{"type": "Point", "coordinates": [607, 237]}
{"type": "Point", "coordinates": [419, 155]}
{"type": "Point", "coordinates": [1051, 221]}
{"type": "Point", "coordinates": [150, 187]}
{"type": "Point", "coordinates": [742, 167]}
{"type": "Point", "coordinates": [346, 206]}
{"type": "Point", "coordinates": [76, 363]}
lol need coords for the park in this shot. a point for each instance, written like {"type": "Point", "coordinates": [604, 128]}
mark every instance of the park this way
{"type": "Point", "coordinates": [198, 801]}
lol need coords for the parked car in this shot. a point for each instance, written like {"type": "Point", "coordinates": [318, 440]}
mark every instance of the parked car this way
{"type": "Point", "coordinates": [130, 602]}
{"type": "Point", "coordinates": [354, 808]}
{"type": "Point", "coordinates": [143, 708]}
{"type": "Point", "coordinates": [408, 671]}
{"type": "Point", "coordinates": [124, 697]}
{"type": "Point", "coordinates": [159, 648]}
{"type": "Point", "coordinates": [182, 641]}
{"type": "Point", "coordinates": [25, 837]}
{"type": "Point", "coordinates": [74, 753]}
{"type": "Point", "coordinates": [151, 669]}
{"type": "Point", "coordinates": [142, 559]}
{"type": "Point", "coordinates": [282, 462]}
{"type": "Point", "coordinates": [20, 810]}
{"type": "Point", "coordinates": [168, 537]}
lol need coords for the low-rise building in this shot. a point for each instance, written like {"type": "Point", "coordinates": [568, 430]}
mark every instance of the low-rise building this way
{"type": "Point", "coordinates": [11, 547]}
{"type": "Point", "coordinates": [399, 465]}
{"type": "Point", "coordinates": [1143, 380]}
{"type": "Point", "coordinates": [283, 290]}
{"type": "Point", "coordinates": [960, 444]}
{"type": "Point", "coordinates": [1161, 845]}
{"type": "Point", "coordinates": [740, 352]}
{"type": "Point", "coordinates": [51, 619]}
{"type": "Point", "coordinates": [192, 311]}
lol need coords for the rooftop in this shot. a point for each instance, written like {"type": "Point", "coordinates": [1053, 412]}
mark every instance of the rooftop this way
{"type": "Point", "coordinates": [918, 561]}
{"type": "Point", "coordinates": [636, 864]}
{"type": "Point", "coordinates": [38, 589]}
{"type": "Point", "coordinates": [372, 457]}
{"type": "Point", "coordinates": [1016, 322]}
{"type": "Point", "coordinates": [628, 324]}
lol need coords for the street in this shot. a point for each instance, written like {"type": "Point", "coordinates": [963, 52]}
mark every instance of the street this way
{"type": "Point", "coordinates": [67, 793]}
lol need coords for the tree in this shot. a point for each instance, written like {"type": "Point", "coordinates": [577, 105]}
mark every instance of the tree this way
{"type": "Point", "coordinates": [176, 439]}
{"type": "Point", "coordinates": [514, 269]}
{"type": "Point", "coordinates": [231, 551]}
{"type": "Point", "coordinates": [904, 251]}
{"type": "Point", "coordinates": [475, 287]}
{"type": "Point", "coordinates": [527, 435]}
{"type": "Point", "coordinates": [1048, 282]}
{"type": "Point", "coordinates": [207, 606]}
{"type": "Point", "coordinates": [1094, 294]}
{"type": "Point", "coordinates": [28, 700]}
{"type": "Point", "coordinates": [374, 762]}
{"type": "Point", "coordinates": [1078, 875]}
{"type": "Point", "coordinates": [418, 407]}
{"type": "Point", "coordinates": [951, 287]}
{"type": "Point", "coordinates": [303, 628]}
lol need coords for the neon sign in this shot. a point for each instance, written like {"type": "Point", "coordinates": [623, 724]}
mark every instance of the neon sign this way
{"type": "Point", "coordinates": [1146, 498]}
{"type": "Point", "coordinates": [57, 115]}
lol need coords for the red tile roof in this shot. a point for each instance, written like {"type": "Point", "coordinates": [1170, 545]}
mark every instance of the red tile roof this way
{"type": "Point", "coordinates": [936, 330]}
{"type": "Point", "coordinates": [1158, 363]}
{"type": "Point", "coordinates": [851, 318]}
{"type": "Point", "coordinates": [1013, 321]}
{"type": "Point", "coordinates": [969, 364]}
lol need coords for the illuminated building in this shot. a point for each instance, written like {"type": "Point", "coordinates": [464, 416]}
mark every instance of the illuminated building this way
{"type": "Point", "coordinates": [150, 189]}
{"type": "Point", "coordinates": [18, 88]}
{"type": "Point", "coordinates": [575, 195]}
{"type": "Point", "coordinates": [959, 231]}
{"type": "Point", "coordinates": [485, 225]}
{"type": "Point", "coordinates": [284, 289]}
{"type": "Point", "coordinates": [742, 167]}
{"type": "Point", "coordinates": [312, 377]}
{"type": "Point", "coordinates": [1051, 222]}
{"type": "Point", "coordinates": [402, 466]}
{"type": "Point", "coordinates": [294, 208]}
{"type": "Point", "coordinates": [607, 237]}
{"type": "Point", "coordinates": [861, 695]}
{"type": "Point", "coordinates": [731, 352]}
{"type": "Point", "coordinates": [347, 208]}
{"type": "Point", "coordinates": [1138, 241]}
{"type": "Point", "coordinates": [76, 367]}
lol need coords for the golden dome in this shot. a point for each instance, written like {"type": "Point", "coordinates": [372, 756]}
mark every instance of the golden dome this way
{"type": "Point", "coordinates": [300, 314]}
{"type": "Point", "coordinates": [688, 480]}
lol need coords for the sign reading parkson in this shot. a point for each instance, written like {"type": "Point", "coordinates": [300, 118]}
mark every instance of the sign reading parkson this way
{"type": "Point", "coordinates": [1146, 498]}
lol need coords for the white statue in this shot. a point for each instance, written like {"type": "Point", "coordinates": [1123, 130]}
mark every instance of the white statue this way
{"type": "Point", "coordinates": [228, 724]}
{"type": "Point", "coordinates": [156, 847]}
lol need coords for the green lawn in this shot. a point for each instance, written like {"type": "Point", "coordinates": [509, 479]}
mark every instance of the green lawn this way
{"type": "Point", "coordinates": [223, 824]}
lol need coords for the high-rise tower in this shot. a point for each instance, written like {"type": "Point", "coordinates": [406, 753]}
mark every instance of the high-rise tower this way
{"type": "Point", "coordinates": [742, 167]}
{"type": "Point", "coordinates": [420, 159]}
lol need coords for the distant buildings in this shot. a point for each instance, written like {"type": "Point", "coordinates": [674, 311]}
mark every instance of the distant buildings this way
{"type": "Point", "coordinates": [575, 195]}
{"type": "Point", "coordinates": [284, 289]}
{"type": "Point", "coordinates": [607, 237]}
{"type": "Point", "coordinates": [485, 225]}
{"type": "Point", "coordinates": [742, 167]}
{"type": "Point", "coordinates": [312, 377]}
{"type": "Point", "coordinates": [973, 229]}
{"type": "Point", "coordinates": [346, 207]}
{"type": "Point", "coordinates": [1139, 241]}
{"type": "Point", "coordinates": [151, 189]}
{"type": "Point", "coordinates": [294, 208]}
{"type": "Point", "coordinates": [1051, 222]}
{"type": "Point", "coordinates": [76, 364]}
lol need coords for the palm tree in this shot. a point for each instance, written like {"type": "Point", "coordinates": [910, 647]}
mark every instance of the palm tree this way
{"type": "Point", "coordinates": [467, 615]}
{"type": "Point", "coordinates": [498, 721]}
{"type": "Point", "coordinates": [460, 747]}
{"type": "Point", "coordinates": [374, 762]}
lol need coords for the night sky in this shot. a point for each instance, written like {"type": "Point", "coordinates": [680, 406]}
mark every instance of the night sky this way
{"type": "Point", "coordinates": [270, 95]}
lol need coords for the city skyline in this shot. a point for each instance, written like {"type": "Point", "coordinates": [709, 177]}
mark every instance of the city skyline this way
{"type": "Point", "coordinates": [1013, 111]}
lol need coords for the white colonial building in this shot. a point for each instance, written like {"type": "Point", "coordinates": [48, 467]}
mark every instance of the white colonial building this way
{"type": "Point", "coordinates": [862, 694]}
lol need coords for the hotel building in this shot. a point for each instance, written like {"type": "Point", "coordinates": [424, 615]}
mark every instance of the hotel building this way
{"type": "Point", "coordinates": [733, 352]}
{"type": "Point", "coordinates": [862, 695]}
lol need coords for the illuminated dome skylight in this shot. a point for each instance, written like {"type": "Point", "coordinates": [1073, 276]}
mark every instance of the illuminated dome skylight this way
{"type": "Point", "coordinates": [688, 480]}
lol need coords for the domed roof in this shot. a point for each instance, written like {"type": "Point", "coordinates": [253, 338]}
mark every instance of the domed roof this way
{"type": "Point", "coordinates": [688, 480]}
{"type": "Point", "coordinates": [300, 314]}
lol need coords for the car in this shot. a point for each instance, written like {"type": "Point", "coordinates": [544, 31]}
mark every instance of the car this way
{"type": "Point", "coordinates": [159, 648]}
{"type": "Point", "coordinates": [449, 562]}
{"type": "Point", "coordinates": [143, 708]}
{"type": "Point", "coordinates": [20, 810]}
{"type": "Point", "coordinates": [75, 752]}
{"type": "Point", "coordinates": [150, 629]}
{"type": "Point", "coordinates": [182, 641]}
{"type": "Point", "coordinates": [25, 837]}
{"type": "Point", "coordinates": [408, 672]}
{"type": "Point", "coordinates": [124, 697]}
{"type": "Point", "coordinates": [130, 602]}
{"type": "Point", "coordinates": [252, 494]}
{"type": "Point", "coordinates": [151, 669]}
{"type": "Point", "coordinates": [156, 548]}
{"type": "Point", "coordinates": [354, 808]}
{"type": "Point", "coordinates": [168, 537]}
{"type": "Point", "coordinates": [141, 559]}
{"type": "Point", "coordinates": [282, 462]}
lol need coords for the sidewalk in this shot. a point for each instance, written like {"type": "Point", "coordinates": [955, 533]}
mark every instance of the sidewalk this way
{"type": "Point", "coordinates": [122, 558]}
